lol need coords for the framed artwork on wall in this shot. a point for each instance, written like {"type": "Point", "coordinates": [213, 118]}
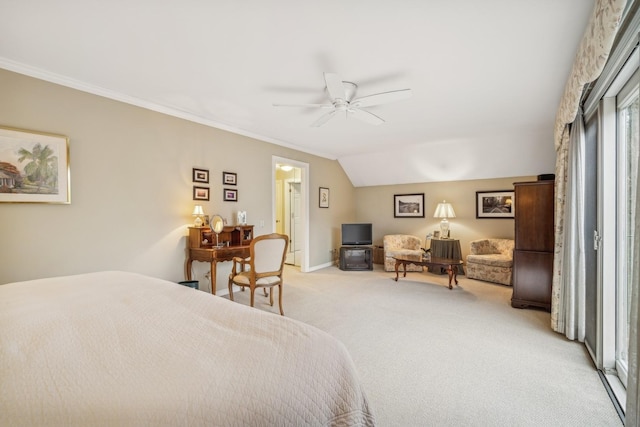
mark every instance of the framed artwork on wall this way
{"type": "Point", "coordinates": [34, 167]}
{"type": "Point", "coordinates": [324, 197]}
{"type": "Point", "coordinates": [408, 205]}
{"type": "Point", "coordinates": [229, 178]}
{"type": "Point", "coordinates": [495, 204]}
{"type": "Point", "coordinates": [201, 193]}
{"type": "Point", "coordinates": [200, 175]}
{"type": "Point", "coordinates": [230, 195]}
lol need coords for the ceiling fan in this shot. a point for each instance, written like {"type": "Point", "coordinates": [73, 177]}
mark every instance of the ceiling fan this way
{"type": "Point", "coordinates": [342, 98]}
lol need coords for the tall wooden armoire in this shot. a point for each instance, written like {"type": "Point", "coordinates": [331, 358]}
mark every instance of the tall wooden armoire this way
{"type": "Point", "coordinates": [534, 244]}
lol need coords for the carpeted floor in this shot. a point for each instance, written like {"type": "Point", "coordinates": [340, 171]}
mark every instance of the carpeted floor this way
{"type": "Point", "coordinates": [430, 356]}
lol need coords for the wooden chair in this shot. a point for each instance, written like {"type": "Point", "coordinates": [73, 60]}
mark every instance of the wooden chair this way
{"type": "Point", "coordinates": [265, 262]}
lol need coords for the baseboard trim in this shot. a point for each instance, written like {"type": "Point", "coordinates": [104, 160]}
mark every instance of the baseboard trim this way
{"type": "Point", "coordinates": [321, 266]}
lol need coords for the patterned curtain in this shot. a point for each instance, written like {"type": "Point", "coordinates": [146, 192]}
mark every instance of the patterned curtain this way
{"type": "Point", "coordinates": [590, 59]}
{"type": "Point", "coordinates": [569, 313]}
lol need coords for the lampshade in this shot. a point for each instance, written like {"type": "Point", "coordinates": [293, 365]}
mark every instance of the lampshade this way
{"type": "Point", "coordinates": [444, 210]}
{"type": "Point", "coordinates": [198, 212]}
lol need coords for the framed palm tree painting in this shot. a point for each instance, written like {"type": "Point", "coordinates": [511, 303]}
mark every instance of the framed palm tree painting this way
{"type": "Point", "coordinates": [34, 167]}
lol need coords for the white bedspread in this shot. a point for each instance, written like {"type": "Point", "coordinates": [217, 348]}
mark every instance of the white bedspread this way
{"type": "Point", "coordinates": [122, 349]}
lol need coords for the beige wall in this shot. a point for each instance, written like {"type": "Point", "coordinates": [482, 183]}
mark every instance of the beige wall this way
{"type": "Point", "coordinates": [375, 205]}
{"type": "Point", "coordinates": [131, 189]}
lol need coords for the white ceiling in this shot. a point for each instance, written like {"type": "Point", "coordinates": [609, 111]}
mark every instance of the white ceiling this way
{"type": "Point", "coordinates": [486, 75]}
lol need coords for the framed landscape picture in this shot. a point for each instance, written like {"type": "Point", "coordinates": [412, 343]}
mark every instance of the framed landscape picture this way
{"type": "Point", "coordinates": [229, 178]}
{"type": "Point", "coordinates": [408, 205]}
{"type": "Point", "coordinates": [200, 175]}
{"type": "Point", "coordinates": [495, 204]}
{"type": "Point", "coordinates": [230, 195]}
{"type": "Point", "coordinates": [34, 167]}
{"type": "Point", "coordinates": [200, 193]}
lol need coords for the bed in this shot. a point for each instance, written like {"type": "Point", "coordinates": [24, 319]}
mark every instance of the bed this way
{"type": "Point", "coordinates": [116, 348]}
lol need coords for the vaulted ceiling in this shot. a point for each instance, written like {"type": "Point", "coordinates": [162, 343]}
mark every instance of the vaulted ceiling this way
{"type": "Point", "coordinates": [486, 76]}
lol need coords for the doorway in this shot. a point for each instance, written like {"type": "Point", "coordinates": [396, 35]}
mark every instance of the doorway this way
{"type": "Point", "coordinates": [291, 218]}
{"type": "Point", "coordinates": [291, 208]}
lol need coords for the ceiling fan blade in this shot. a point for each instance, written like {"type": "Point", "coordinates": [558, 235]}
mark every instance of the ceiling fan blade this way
{"type": "Point", "coordinates": [334, 86]}
{"type": "Point", "coordinates": [324, 119]}
{"type": "Point", "coordinates": [381, 98]}
{"type": "Point", "coordinates": [366, 116]}
{"type": "Point", "coordinates": [304, 105]}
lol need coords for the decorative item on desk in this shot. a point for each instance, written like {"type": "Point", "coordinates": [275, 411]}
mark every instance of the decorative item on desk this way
{"type": "Point", "coordinates": [217, 225]}
{"type": "Point", "coordinates": [242, 218]}
{"type": "Point", "coordinates": [198, 213]}
{"type": "Point", "coordinates": [444, 211]}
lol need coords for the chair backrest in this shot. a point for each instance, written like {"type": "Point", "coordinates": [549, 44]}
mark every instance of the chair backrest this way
{"type": "Point", "coordinates": [268, 253]}
{"type": "Point", "coordinates": [492, 246]}
{"type": "Point", "coordinates": [401, 241]}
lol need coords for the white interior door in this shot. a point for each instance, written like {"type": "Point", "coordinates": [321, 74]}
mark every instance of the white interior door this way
{"type": "Point", "coordinates": [293, 225]}
{"type": "Point", "coordinates": [279, 207]}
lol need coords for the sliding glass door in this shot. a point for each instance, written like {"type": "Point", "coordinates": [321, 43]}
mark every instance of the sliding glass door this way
{"type": "Point", "coordinates": [628, 130]}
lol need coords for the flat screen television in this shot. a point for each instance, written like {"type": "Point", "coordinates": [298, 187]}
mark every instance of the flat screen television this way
{"type": "Point", "coordinates": [357, 234]}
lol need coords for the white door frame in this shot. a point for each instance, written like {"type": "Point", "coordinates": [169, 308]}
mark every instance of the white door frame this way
{"type": "Point", "coordinates": [304, 204]}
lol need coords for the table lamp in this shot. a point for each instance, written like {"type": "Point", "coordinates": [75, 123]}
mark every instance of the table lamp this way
{"type": "Point", "coordinates": [198, 213]}
{"type": "Point", "coordinates": [444, 210]}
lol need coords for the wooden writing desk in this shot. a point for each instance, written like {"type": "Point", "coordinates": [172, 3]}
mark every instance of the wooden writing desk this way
{"type": "Point", "coordinates": [202, 247]}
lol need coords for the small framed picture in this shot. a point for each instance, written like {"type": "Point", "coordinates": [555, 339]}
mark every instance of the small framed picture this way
{"type": "Point", "coordinates": [230, 195]}
{"type": "Point", "coordinates": [200, 193]}
{"type": "Point", "coordinates": [495, 204]}
{"type": "Point", "coordinates": [408, 205]}
{"type": "Point", "coordinates": [200, 175]}
{"type": "Point", "coordinates": [229, 178]}
{"type": "Point", "coordinates": [324, 197]}
{"type": "Point", "coordinates": [436, 234]}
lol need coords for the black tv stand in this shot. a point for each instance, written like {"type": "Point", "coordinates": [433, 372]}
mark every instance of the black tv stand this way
{"type": "Point", "coordinates": [356, 258]}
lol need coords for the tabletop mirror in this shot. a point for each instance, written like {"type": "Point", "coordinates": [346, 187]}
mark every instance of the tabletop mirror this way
{"type": "Point", "coordinates": [217, 224]}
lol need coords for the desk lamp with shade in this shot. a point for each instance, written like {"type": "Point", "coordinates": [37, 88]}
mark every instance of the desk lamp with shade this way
{"type": "Point", "coordinates": [198, 212]}
{"type": "Point", "coordinates": [444, 210]}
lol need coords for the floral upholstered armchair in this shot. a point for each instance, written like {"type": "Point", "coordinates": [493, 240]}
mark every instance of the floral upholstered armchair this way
{"type": "Point", "coordinates": [401, 245]}
{"type": "Point", "coordinates": [491, 260]}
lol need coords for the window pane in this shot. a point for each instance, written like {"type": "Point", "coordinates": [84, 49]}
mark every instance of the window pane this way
{"type": "Point", "coordinates": [629, 135]}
